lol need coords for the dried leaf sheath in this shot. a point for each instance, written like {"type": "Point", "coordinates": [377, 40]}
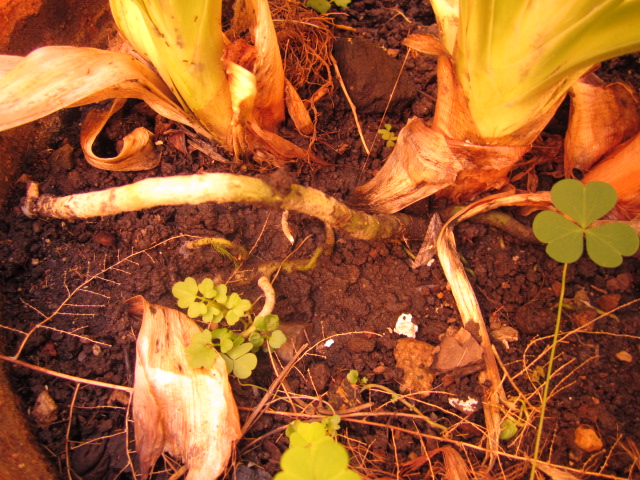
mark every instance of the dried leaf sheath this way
{"type": "Point", "coordinates": [189, 413]}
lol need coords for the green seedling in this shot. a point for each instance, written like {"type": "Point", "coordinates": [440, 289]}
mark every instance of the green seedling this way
{"type": "Point", "coordinates": [314, 455]}
{"type": "Point", "coordinates": [214, 305]}
{"type": "Point", "coordinates": [323, 6]}
{"type": "Point", "coordinates": [510, 426]}
{"type": "Point", "coordinates": [354, 378]}
{"type": "Point", "coordinates": [565, 238]}
{"type": "Point", "coordinates": [387, 134]}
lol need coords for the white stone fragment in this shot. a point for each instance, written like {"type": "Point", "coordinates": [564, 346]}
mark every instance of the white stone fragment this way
{"type": "Point", "coordinates": [467, 405]}
{"type": "Point", "coordinates": [329, 342]}
{"type": "Point", "coordinates": [405, 326]}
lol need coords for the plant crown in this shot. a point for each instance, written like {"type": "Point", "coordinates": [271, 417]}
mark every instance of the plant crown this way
{"type": "Point", "coordinates": [215, 305]}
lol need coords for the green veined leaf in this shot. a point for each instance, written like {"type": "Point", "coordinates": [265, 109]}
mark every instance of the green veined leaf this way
{"type": "Point", "coordinates": [320, 6]}
{"type": "Point", "coordinates": [221, 294]}
{"type": "Point", "coordinates": [342, 3]}
{"type": "Point", "coordinates": [244, 365]}
{"type": "Point", "coordinates": [202, 338]}
{"type": "Point", "coordinates": [267, 323]}
{"type": "Point", "coordinates": [186, 292]}
{"type": "Point", "coordinates": [331, 458]}
{"type": "Point", "coordinates": [196, 309]}
{"type": "Point", "coordinates": [277, 339]}
{"type": "Point", "coordinates": [207, 288]}
{"type": "Point", "coordinates": [583, 203]}
{"type": "Point", "coordinates": [606, 244]}
{"type": "Point", "coordinates": [564, 238]}
{"type": "Point", "coordinates": [306, 433]}
{"type": "Point", "coordinates": [239, 350]}
{"type": "Point", "coordinates": [199, 356]}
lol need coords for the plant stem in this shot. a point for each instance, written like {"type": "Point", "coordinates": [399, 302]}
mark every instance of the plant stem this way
{"type": "Point", "coordinates": [545, 392]}
{"type": "Point", "coordinates": [223, 188]}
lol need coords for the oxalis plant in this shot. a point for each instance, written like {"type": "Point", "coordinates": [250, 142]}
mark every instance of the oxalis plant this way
{"type": "Point", "coordinates": [314, 454]}
{"type": "Point", "coordinates": [565, 232]}
{"type": "Point", "coordinates": [214, 305]}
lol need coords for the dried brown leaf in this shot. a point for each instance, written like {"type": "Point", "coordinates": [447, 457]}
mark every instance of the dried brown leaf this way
{"type": "Point", "coordinates": [137, 152]}
{"type": "Point", "coordinates": [602, 117]}
{"type": "Point", "coordinates": [187, 412]}
{"type": "Point", "coordinates": [52, 78]}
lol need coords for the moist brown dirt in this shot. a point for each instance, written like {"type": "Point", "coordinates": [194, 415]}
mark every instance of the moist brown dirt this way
{"type": "Point", "coordinates": [78, 275]}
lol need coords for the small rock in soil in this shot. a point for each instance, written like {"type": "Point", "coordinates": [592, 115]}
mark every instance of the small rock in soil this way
{"type": "Point", "coordinates": [587, 439]}
{"type": "Point", "coordinates": [369, 74]}
{"type": "Point", "coordinates": [45, 410]}
{"type": "Point", "coordinates": [415, 358]}
{"type": "Point", "coordinates": [457, 351]}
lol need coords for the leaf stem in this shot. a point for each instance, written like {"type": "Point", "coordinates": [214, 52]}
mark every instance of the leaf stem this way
{"type": "Point", "coordinates": [545, 392]}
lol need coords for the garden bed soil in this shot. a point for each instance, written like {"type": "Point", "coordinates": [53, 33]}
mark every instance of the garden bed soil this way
{"type": "Point", "coordinates": [80, 274]}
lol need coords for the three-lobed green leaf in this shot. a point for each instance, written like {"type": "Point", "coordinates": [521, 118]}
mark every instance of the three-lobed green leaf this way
{"type": "Point", "coordinates": [313, 455]}
{"type": "Point", "coordinates": [584, 204]}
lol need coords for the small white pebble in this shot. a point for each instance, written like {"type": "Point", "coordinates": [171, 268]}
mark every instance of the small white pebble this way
{"type": "Point", "coordinates": [515, 258]}
{"type": "Point", "coordinates": [467, 405]}
{"type": "Point", "coordinates": [404, 326]}
{"type": "Point", "coordinates": [329, 342]}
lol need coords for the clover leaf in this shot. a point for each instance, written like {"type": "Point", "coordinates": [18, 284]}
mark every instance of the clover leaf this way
{"type": "Point", "coordinates": [186, 292]}
{"type": "Point", "coordinates": [584, 204]}
{"type": "Point", "coordinates": [313, 454]}
{"type": "Point", "coordinates": [240, 360]}
{"type": "Point", "coordinates": [201, 352]}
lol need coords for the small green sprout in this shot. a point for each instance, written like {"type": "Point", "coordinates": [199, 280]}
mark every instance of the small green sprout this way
{"type": "Point", "coordinates": [214, 305]}
{"type": "Point", "coordinates": [323, 6]}
{"type": "Point", "coordinates": [584, 204]}
{"type": "Point", "coordinates": [354, 378]}
{"type": "Point", "coordinates": [314, 455]}
{"type": "Point", "coordinates": [387, 134]}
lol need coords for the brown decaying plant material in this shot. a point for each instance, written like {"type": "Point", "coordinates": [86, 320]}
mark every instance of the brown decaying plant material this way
{"type": "Point", "coordinates": [602, 117]}
{"type": "Point", "coordinates": [467, 303]}
{"type": "Point", "coordinates": [190, 413]}
{"type": "Point", "coordinates": [137, 152]}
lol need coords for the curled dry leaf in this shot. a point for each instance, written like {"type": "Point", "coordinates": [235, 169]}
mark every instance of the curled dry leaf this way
{"type": "Point", "coordinates": [52, 78]}
{"type": "Point", "coordinates": [137, 152]}
{"type": "Point", "coordinates": [187, 412]}
{"type": "Point", "coordinates": [425, 161]}
{"type": "Point", "coordinates": [602, 117]}
{"type": "Point", "coordinates": [297, 110]}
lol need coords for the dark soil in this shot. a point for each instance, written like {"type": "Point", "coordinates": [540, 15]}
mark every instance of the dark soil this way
{"type": "Point", "coordinates": [78, 275]}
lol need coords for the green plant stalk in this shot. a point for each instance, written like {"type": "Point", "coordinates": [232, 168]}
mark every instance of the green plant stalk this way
{"type": "Point", "coordinates": [545, 391]}
{"type": "Point", "coordinates": [514, 67]}
{"type": "Point", "coordinates": [223, 188]}
{"type": "Point", "coordinates": [184, 42]}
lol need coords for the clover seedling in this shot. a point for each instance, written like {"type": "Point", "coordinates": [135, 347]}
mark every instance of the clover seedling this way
{"type": "Point", "coordinates": [565, 239]}
{"type": "Point", "coordinates": [387, 134]}
{"type": "Point", "coordinates": [314, 455]}
{"type": "Point", "coordinates": [323, 6]}
{"type": "Point", "coordinates": [584, 204]}
{"type": "Point", "coordinates": [214, 305]}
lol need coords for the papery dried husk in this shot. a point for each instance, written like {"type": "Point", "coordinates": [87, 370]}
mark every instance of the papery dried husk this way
{"type": "Point", "coordinates": [190, 413]}
{"type": "Point", "coordinates": [602, 117]}
{"type": "Point", "coordinates": [52, 78]}
{"type": "Point", "coordinates": [425, 162]}
{"type": "Point", "coordinates": [621, 169]}
{"type": "Point", "coordinates": [297, 110]}
{"type": "Point", "coordinates": [255, 16]}
{"type": "Point", "coordinates": [468, 305]}
{"type": "Point", "coordinates": [242, 85]}
{"type": "Point", "coordinates": [137, 152]}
